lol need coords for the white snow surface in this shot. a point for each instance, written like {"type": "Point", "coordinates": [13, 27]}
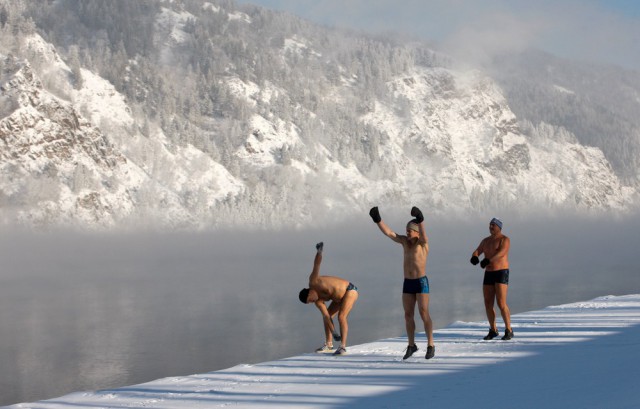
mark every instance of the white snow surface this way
{"type": "Point", "coordinates": [580, 355]}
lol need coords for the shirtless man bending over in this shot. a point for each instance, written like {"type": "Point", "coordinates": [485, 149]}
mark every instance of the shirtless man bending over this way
{"type": "Point", "coordinates": [342, 295]}
{"type": "Point", "coordinates": [496, 277]}
{"type": "Point", "coordinates": [416, 284]}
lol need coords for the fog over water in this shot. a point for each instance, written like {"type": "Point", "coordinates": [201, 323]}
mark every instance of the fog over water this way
{"type": "Point", "coordinates": [94, 311]}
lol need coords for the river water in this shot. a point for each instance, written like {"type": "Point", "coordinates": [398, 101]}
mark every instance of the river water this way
{"type": "Point", "coordinates": [83, 311]}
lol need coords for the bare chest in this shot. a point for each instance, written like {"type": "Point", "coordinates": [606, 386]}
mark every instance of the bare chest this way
{"type": "Point", "coordinates": [491, 246]}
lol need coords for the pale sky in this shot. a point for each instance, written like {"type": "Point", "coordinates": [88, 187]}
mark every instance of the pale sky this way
{"type": "Point", "coordinates": [600, 31]}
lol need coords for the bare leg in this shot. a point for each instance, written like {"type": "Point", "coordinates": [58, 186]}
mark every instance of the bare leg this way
{"type": "Point", "coordinates": [348, 301]}
{"type": "Point", "coordinates": [409, 302]}
{"type": "Point", "coordinates": [423, 308]}
{"type": "Point", "coordinates": [501, 298]}
{"type": "Point", "coordinates": [489, 293]}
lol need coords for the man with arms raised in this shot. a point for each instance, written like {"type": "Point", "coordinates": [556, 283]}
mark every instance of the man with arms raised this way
{"type": "Point", "coordinates": [342, 295]}
{"type": "Point", "coordinates": [415, 288]}
{"type": "Point", "coordinates": [496, 277]}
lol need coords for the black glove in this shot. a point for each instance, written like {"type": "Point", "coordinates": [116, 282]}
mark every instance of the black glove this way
{"type": "Point", "coordinates": [474, 260]}
{"type": "Point", "coordinates": [375, 215]}
{"type": "Point", "coordinates": [319, 247]}
{"type": "Point", "coordinates": [415, 212]}
{"type": "Point", "coordinates": [335, 333]}
{"type": "Point", "coordinates": [485, 262]}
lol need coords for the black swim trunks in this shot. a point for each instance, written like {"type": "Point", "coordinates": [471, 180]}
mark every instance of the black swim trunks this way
{"type": "Point", "coordinates": [416, 285]}
{"type": "Point", "coordinates": [351, 287]}
{"type": "Point", "coordinates": [496, 277]}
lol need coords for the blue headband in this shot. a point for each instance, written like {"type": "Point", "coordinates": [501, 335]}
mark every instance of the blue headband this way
{"type": "Point", "coordinates": [497, 222]}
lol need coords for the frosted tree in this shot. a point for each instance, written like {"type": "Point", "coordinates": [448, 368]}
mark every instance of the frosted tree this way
{"type": "Point", "coordinates": [4, 16]}
{"type": "Point", "coordinates": [74, 64]}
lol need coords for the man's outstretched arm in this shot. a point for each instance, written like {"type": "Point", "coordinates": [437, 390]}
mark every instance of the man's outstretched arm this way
{"type": "Point", "coordinates": [315, 273]}
{"type": "Point", "coordinates": [419, 220]}
{"type": "Point", "coordinates": [375, 215]}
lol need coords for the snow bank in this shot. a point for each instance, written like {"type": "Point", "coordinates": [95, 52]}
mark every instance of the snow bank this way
{"type": "Point", "coordinates": [581, 355]}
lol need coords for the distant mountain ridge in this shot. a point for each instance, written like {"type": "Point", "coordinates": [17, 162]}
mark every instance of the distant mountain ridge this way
{"type": "Point", "coordinates": [245, 117]}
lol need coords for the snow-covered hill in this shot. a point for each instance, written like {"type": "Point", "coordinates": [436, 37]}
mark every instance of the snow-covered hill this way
{"type": "Point", "coordinates": [79, 160]}
{"type": "Point", "coordinates": [465, 144]}
{"type": "Point", "coordinates": [291, 136]}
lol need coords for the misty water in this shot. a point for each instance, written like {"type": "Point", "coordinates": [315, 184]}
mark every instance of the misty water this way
{"type": "Point", "coordinates": [98, 311]}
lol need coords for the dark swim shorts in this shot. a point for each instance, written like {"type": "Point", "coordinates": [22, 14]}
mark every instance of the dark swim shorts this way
{"type": "Point", "coordinates": [351, 287]}
{"type": "Point", "coordinates": [416, 285]}
{"type": "Point", "coordinates": [496, 277]}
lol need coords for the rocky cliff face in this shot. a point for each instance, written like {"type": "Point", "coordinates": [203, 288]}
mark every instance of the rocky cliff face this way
{"type": "Point", "coordinates": [58, 168]}
{"type": "Point", "coordinates": [55, 164]}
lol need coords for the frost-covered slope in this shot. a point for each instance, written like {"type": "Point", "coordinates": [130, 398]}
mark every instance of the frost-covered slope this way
{"type": "Point", "coordinates": [452, 144]}
{"type": "Point", "coordinates": [286, 135]}
{"type": "Point", "coordinates": [466, 146]}
{"type": "Point", "coordinates": [80, 160]}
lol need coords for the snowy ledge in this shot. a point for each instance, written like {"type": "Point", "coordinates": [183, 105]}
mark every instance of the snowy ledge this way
{"type": "Point", "coordinates": [581, 355]}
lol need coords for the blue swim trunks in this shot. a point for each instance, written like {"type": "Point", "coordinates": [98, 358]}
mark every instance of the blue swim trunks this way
{"type": "Point", "coordinates": [416, 285]}
{"type": "Point", "coordinates": [351, 287]}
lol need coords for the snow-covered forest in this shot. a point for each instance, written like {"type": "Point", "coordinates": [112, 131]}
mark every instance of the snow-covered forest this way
{"type": "Point", "coordinates": [222, 114]}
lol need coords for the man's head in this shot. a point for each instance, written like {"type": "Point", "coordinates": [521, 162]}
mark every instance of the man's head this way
{"type": "Point", "coordinates": [496, 222]}
{"type": "Point", "coordinates": [308, 295]}
{"type": "Point", "coordinates": [304, 294]}
{"type": "Point", "coordinates": [412, 227]}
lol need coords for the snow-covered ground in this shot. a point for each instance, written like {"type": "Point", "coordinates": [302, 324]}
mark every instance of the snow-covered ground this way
{"type": "Point", "coordinates": [581, 355]}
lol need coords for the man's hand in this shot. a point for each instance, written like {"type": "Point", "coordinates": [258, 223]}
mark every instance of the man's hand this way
{"type": "Point", "coordinates": [474, 260]}
{"type": "Point", "coordinates": [334, 332]}
{"type": "Point", "coordinates": [319, 247]}
{"type": "Point", "coordinates": [485, 262]}
{"type": "Point", "coordinates": [375, 215]}
{"type": "Point", "coordinates": [415, 212]}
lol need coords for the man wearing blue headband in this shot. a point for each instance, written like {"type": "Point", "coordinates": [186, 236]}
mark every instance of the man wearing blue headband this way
{"type": "Point", "coordinates": [496, 277]}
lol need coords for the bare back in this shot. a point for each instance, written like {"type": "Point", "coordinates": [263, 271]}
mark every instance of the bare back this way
{"type": "Point", "coordinates": [329, 288]}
